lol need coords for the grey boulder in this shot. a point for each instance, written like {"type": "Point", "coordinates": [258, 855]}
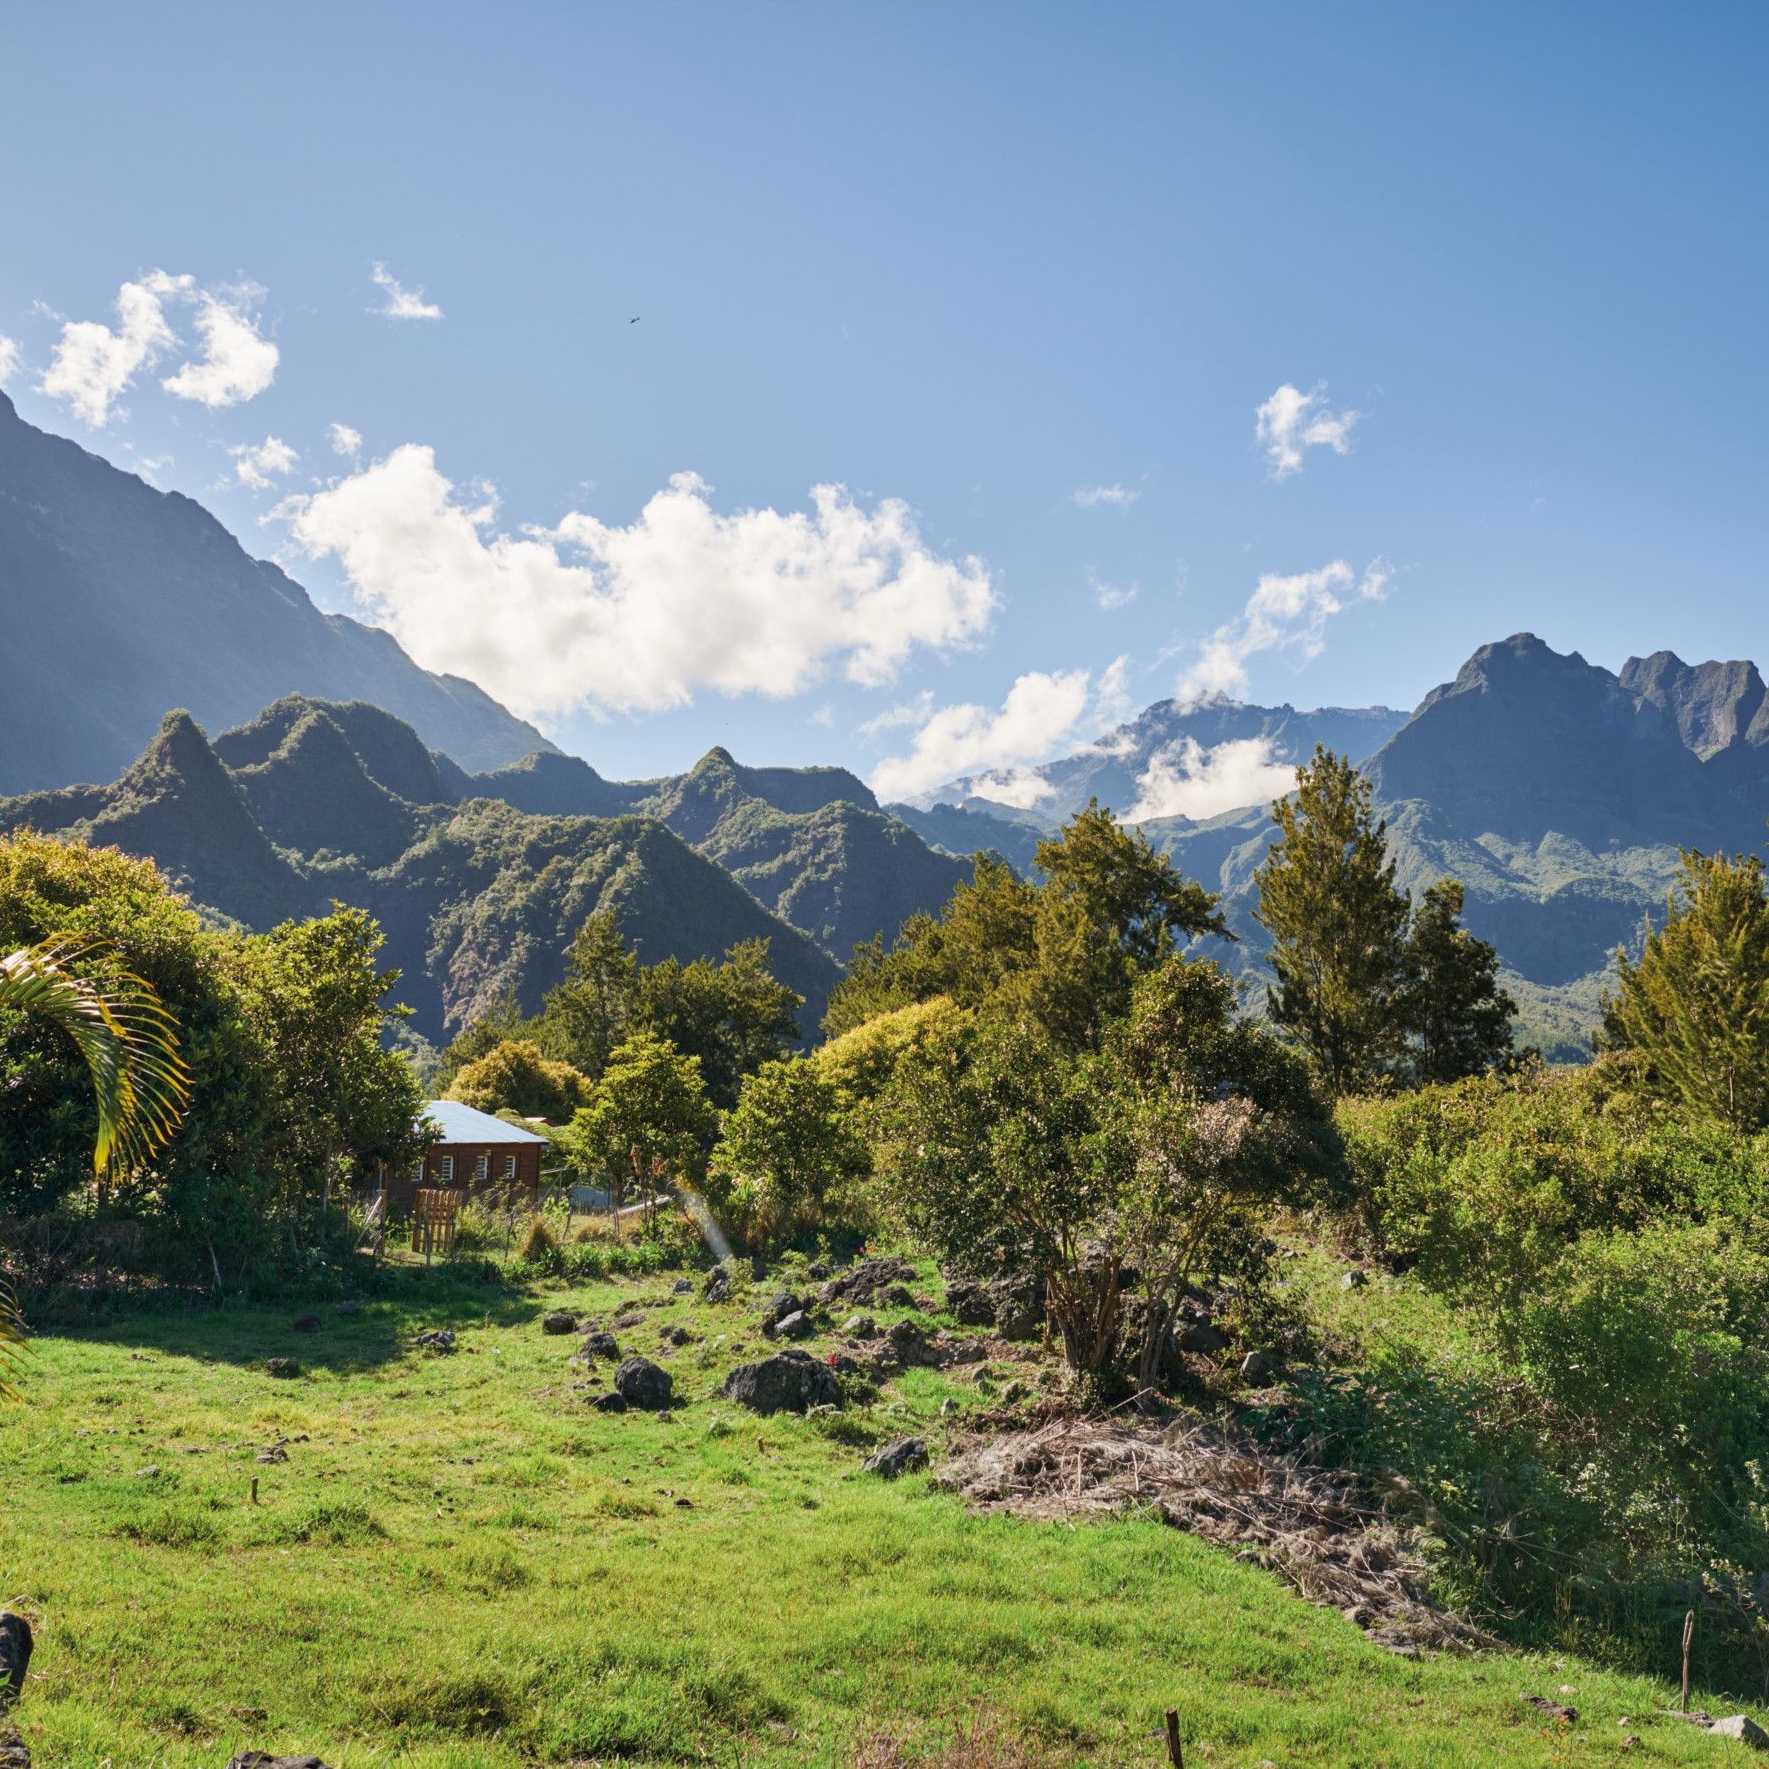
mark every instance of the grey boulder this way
{"type": "Point", "coordinates": [560, 1320]}
{"type": "Point", "coordinates": [643, 1384]}
{"type": "Point", "coordinates": [787, 1382]}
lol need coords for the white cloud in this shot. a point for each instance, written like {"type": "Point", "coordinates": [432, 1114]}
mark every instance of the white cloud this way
{"type": "Point", "coordinates": [93, 365]}
{"type": "Point", "coordinates": [8, 358]}
{"type": "Point", "coordinates": [236, 364]}
{"type": "Point", "coordinates": [1283, 613]}
{"type": "Point", "coordinates": [257, 463]}
{"type": "Point", "coordinates": [588, 616]}
{"type": "Point", "coordinates": [1186, 780]}
{"type": "Point", "coordinates": [345, 441]}
{"type": "Point", "coordinates": [999, 749]}
{"type": "Point", "coordinates": [1109, 497]}
{"type": "Point", "coordinates": [1110, 596]}
{"type": "Point", "coordinates": [1292, 421]}
{"type": "Point", "coordinates": [401, 302]}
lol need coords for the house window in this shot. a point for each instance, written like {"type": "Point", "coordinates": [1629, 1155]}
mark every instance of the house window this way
{"type": "Point", "coordinates": [482, 1168]}
{"type": "Point", "coordinates": [448, 1169]}
{"type": "Point", "coordinates": [418, 1169]}
{"type": "Point", "coordinates": [509, 1167]}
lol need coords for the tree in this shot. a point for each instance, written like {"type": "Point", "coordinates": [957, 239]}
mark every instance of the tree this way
{"type": "Point", "coordinates": [588, 1014]}
{"type": "Point", "coordinates": [502, 1021]}
{"type": "Point", "coordinates": [1695, 1007]}
{"type": "Point", "coordinates": [648, 1122]}
{"type": "Point", "coordinates": [1219, 1122]}
{"type": "Point", "coordinates": [993, 1159]}
{"type": "Point", "coordinates": [515, 1077]}
{"type": "Point", "coordinates": [1338, 924]}
{"type": "Point", "coordinates": [1459, 1018]}
{"type": "Point", "coordinates": [785, 1152]}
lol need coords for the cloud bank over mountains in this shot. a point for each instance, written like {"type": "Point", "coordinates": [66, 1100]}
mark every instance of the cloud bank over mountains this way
{"type": "Point", "coordinates": [592, 617]}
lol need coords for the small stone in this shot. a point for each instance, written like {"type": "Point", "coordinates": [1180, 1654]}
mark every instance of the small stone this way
{"type": "Point", "coordinates": [308, 1323]}
{"type": "Point", "coordinates": [718, 1286]}
{"type": "Point", "coordinates": [1200, 1337]}
{"type": "Point", "coordinates": [901, 1457]}
{"type": "Point", "coordinates": [795, 1326]}
{"type": "Point", "coordinates": [273, 1453]}
{"type": "Point", "coordinates": [598, 1344]}
{"type": "Point", "coordinates": [675, 1335]}
{"type": "Point", "coordinates": [1256, 1367]}
{"type": "Point", "coordinates": [1015, 1392]}
{"type": "Point", "coordinates": [560, 1320]}
{"type": "Point", "coordinates": [148, 1473]}
{"type": "Point", "coordinates": [948, 1407]}
{"type": "Point", "coordinates": [15, 1657]}
{"type": "Point", "coordinates": [284, 1367]}
{"type": "Point", "coordinates": [970, 1303]}
{"type": "Point", "coordinates": [263, 1760]}
{"type": "Point", "coordinates": [440, 1340]}
{"type": "Point", "coordinates": [682, 1287]}
{"type": "Point", "coordinates": [644, 1384]}
{"type": "Point", "coordinates": [896, 1296]}
{"type": "Point", "coordinates": [861, 1326]}
{"type": "Point", "coordinates": [1354, 1280]}
{"type": "Point", "coordinates": [817, 1271]}
{"type": "Point", "coordinates": [350, 1306]}
{"type": "Point", "coordinates": [615, 1402]}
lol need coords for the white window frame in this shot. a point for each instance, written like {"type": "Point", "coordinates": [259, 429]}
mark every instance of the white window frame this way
{"type": "Point", "coordinates": [482, 1168]}
{"type": "Point", "coordinates": [509, 1167]}
{"type": "Point", "coordinates": [448, 1169]}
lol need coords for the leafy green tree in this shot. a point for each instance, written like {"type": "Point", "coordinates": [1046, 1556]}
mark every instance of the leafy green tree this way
{"type": "Point", "coordinates": [785, 1154]}
{"type": "Point", "coordinates": [733, 1016]}
{"type": "Point", "coordinates": [589, 1013]}
{"type": "Point", "coordinates": [1066, 951]}
{"type": "Point", "coordinates": [516, 1078]}
{"type": "Point", "coordinates": [992, 1157]}
{"type": "Point", "coordinates": [648, 1123]}
{"type": "Point", "coordinates": [1695, 1007]}
{"type": "Point", "coordinates": [502, 1022]}
{"type": "Point", "coordinates": [1459, 1017]}
{"type": "Point", "coordinates": [1338, 925]}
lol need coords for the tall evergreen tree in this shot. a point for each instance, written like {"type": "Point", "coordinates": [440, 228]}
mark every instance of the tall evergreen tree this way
{"type": "Point", "coordinates": [1338, 925]}
{"type": "Point", "coordinates": [1459, 1016]}
{"type": "Point", "coordinates": [1696, 1006]}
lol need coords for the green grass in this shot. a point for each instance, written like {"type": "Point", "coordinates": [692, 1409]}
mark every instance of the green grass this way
{"type": "Point", "coordinates": [461, 1563]}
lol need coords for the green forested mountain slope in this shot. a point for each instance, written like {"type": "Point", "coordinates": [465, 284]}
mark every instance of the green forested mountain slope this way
{"type": "Point", "coordinates": [474, 899]}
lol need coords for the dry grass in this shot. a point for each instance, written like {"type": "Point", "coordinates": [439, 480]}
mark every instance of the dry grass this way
{"type": "Point", "coordinates": [985, 1742]}
{"type": "Point", "coordinates": [1306, 1526]}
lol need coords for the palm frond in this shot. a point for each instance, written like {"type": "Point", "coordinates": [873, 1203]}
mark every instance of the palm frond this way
{"type": "Point", "coordinates": [123, 1032]}
{"type": "Point", "coordinates": [12, 1342]}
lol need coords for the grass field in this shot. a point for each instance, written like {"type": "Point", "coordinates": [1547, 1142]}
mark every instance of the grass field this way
{"type": "Point", "coordinates": [462, 1563]}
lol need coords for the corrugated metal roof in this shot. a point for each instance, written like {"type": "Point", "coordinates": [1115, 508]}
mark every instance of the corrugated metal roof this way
{"type": "Point", "coordinates": [459, 1123]}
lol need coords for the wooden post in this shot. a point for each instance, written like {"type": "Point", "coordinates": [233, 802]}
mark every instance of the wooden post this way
{"type": "Point", "coordinates": [1688, 1635]}
{"type": "Point", "coordinates": [254, 1489]}
{"type": "Point", "coordinates": [1175, 1755]}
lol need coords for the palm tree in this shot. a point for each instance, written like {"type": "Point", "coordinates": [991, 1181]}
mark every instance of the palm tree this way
{"type": "Point", "coordinates": [130, 1046]}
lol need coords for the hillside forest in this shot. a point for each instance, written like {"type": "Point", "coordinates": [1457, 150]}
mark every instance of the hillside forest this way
{"type": "Point", "coordinates": [1523, 1306]}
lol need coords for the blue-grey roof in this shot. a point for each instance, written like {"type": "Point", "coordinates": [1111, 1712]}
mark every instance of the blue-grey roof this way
{"type": "Point", "coordinates": [458, 1123]}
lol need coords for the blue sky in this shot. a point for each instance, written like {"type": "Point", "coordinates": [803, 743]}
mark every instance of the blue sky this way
{"type": "Point", "coordinates": [967, 263]}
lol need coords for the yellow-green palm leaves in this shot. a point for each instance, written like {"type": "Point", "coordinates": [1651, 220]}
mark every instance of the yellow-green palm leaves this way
{"type": "Point", "coordinates": [122, 1030]}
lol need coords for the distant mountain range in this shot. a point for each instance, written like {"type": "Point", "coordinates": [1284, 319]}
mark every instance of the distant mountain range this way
{"type": "Point", "coordinates": [480, 881]}
{"type": "Point", "coordinates": [118, 601]}
{"type": "Point", "coordinates": [1557, 791]}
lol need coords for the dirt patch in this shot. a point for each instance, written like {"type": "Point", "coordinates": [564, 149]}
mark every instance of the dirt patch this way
{"type": "Point", "coordinates": [1306, 1526]}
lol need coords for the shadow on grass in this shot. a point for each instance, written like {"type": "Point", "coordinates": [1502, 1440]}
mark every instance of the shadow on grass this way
{"type": "Point", "coordinates": [391, 1307]}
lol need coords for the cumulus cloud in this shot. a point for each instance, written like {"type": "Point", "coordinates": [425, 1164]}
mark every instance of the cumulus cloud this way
{"type": "Point", "coordinates": [1283, 613]}
{"type": "Point", "coordinates": [1106, 497]}
{"type": "Point", "coordinates": [345, 441]}
{"type": "Point", "coordinates": [1291, 422]}
{"type": "Point", "coordinates": [588, 616]}
{"type": "Point", "coordinates": [1184, 779]}
{"type": "Point", "coordinates": [259, 463]}
{"type": "Point", "coordinates": [8, 358]}
{"type": "Point", "coordinates": [401, 302]}
{"type": "Point", "coordinates": [93, 365]}
{"type": "Point", "coordinates": [237, 364]}
{"type": "Point", "coordinates": [999, 748]}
